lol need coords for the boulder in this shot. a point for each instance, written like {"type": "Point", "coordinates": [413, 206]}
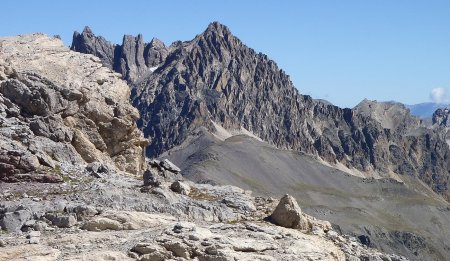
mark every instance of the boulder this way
{"type": "Point", "coordinates": [288, 214]}
{"type": "Point", "coordinates": [98, 169]}
{"type": "Point", "coordinates": [180, 187]}
{"type": "Point", "coordinates": [151, 178]}
{"type": "Point", "coordinates": [13, 221]}
{"type": "Point", "coordinates": [178, 249]}
{"type": "Point", "coordinates": [34, 237]}
{"type": "Point", "coordinates": [82, 212]}
{"type": "Point", "coordinates": [61, 220]}
{"type": "Point", "coordinates": [150, 251]}
{"type": "Point", "coordinates": [102, 223]}
{"type": "Point", "coordinates": [168, 165]}
{"type": "Point", "coordinates": [155, 256]}
{"type": "Point", "coordinates": [40, 226]}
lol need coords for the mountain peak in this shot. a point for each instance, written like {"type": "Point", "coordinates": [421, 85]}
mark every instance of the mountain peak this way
{"type": "Point", "coordinates": [88, 42]}
{"type": "Point", "coordinates": [217, 28]}
{"type": "Point", "coordinates": [87, 30]}
{"type": "Point", "coordinates": [155, 42]}
{"type": "Point", "coordinates": [131, 38]}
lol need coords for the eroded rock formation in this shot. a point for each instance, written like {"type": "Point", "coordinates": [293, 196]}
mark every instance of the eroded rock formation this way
{"type": "Point", "coordinates": [133, 58]}
{"type": "Point", "coordinates": [60, 108]}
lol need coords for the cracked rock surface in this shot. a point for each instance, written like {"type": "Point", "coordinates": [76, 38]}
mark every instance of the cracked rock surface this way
{"type": "Point", "coordinates": [60, 108]}
{"type": "Point", "coordinates": [117, 218]}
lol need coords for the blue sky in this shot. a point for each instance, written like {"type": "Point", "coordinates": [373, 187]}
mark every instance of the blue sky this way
{"type": "Point", "coordinates": [342, 51]}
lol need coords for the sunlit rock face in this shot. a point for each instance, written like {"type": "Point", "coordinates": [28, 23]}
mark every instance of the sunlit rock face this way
{"type": "Point", "coordinates": [61, 107]}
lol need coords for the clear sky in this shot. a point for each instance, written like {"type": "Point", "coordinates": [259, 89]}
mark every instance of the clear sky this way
{"type": "Point", "coordinates": [342, 51]}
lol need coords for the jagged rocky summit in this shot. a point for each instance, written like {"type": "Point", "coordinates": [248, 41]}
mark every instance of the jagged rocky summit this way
{"type": "Point", "coordinates": [60, 109]}
{"type": "Point", "coordinates": [215, 83]}
{"type": "Point", "coordinates": [132, 59]}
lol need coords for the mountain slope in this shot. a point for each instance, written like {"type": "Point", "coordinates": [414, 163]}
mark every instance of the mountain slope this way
{"type": "Point", "coordinates": [216, 82]}
{"type": "Point", "coordinates": [404, 218]}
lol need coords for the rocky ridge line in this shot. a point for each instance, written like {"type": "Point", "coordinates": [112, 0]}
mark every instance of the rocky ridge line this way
{"type": "Point", "coordinates": [215, 80]}
{"type": "Point", "coordinates": [132, 58]}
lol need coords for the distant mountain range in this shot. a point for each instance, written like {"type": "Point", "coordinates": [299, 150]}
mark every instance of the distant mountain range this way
{"type": "Point", "coordinates": [425, 110]}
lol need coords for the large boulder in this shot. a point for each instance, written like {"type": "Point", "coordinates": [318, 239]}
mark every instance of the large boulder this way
{"type": "Point", "coordinates": [288, 214]}
{"type": "Point", "coordinates": [12, 221]}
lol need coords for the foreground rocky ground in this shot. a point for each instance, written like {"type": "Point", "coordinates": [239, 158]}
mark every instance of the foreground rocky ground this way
{"type": "Point", "coordinates": [100, 214]}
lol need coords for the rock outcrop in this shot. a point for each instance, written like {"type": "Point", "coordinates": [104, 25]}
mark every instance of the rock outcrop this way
{"type": "Point", "coordinates": [88, 43]}
{"type": "Point", "coordinates": [59, 109]}
{"type": "Point", "coordinates": [132, 59]}
{"type": "Point", "coordinates": [215, 82]}
{"type": "Point", "coordinates": [391, 115]}
{"type": "Point", "coordinates": [440, 121]}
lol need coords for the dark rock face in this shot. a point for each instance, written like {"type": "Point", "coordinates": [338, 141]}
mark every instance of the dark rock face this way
{"type": "Point", "coordinates": [87, 42]}
{"type": "Point", "coordinates": [155, 53]}
{"type": "Point", "coordinates": [441, 117]}
{"type": "Point", "coordinates": [216, 79]}
{"type": "Point", "coordinates": [364, 239]}
{"type": "Point", "coordinates": [132, 59]}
